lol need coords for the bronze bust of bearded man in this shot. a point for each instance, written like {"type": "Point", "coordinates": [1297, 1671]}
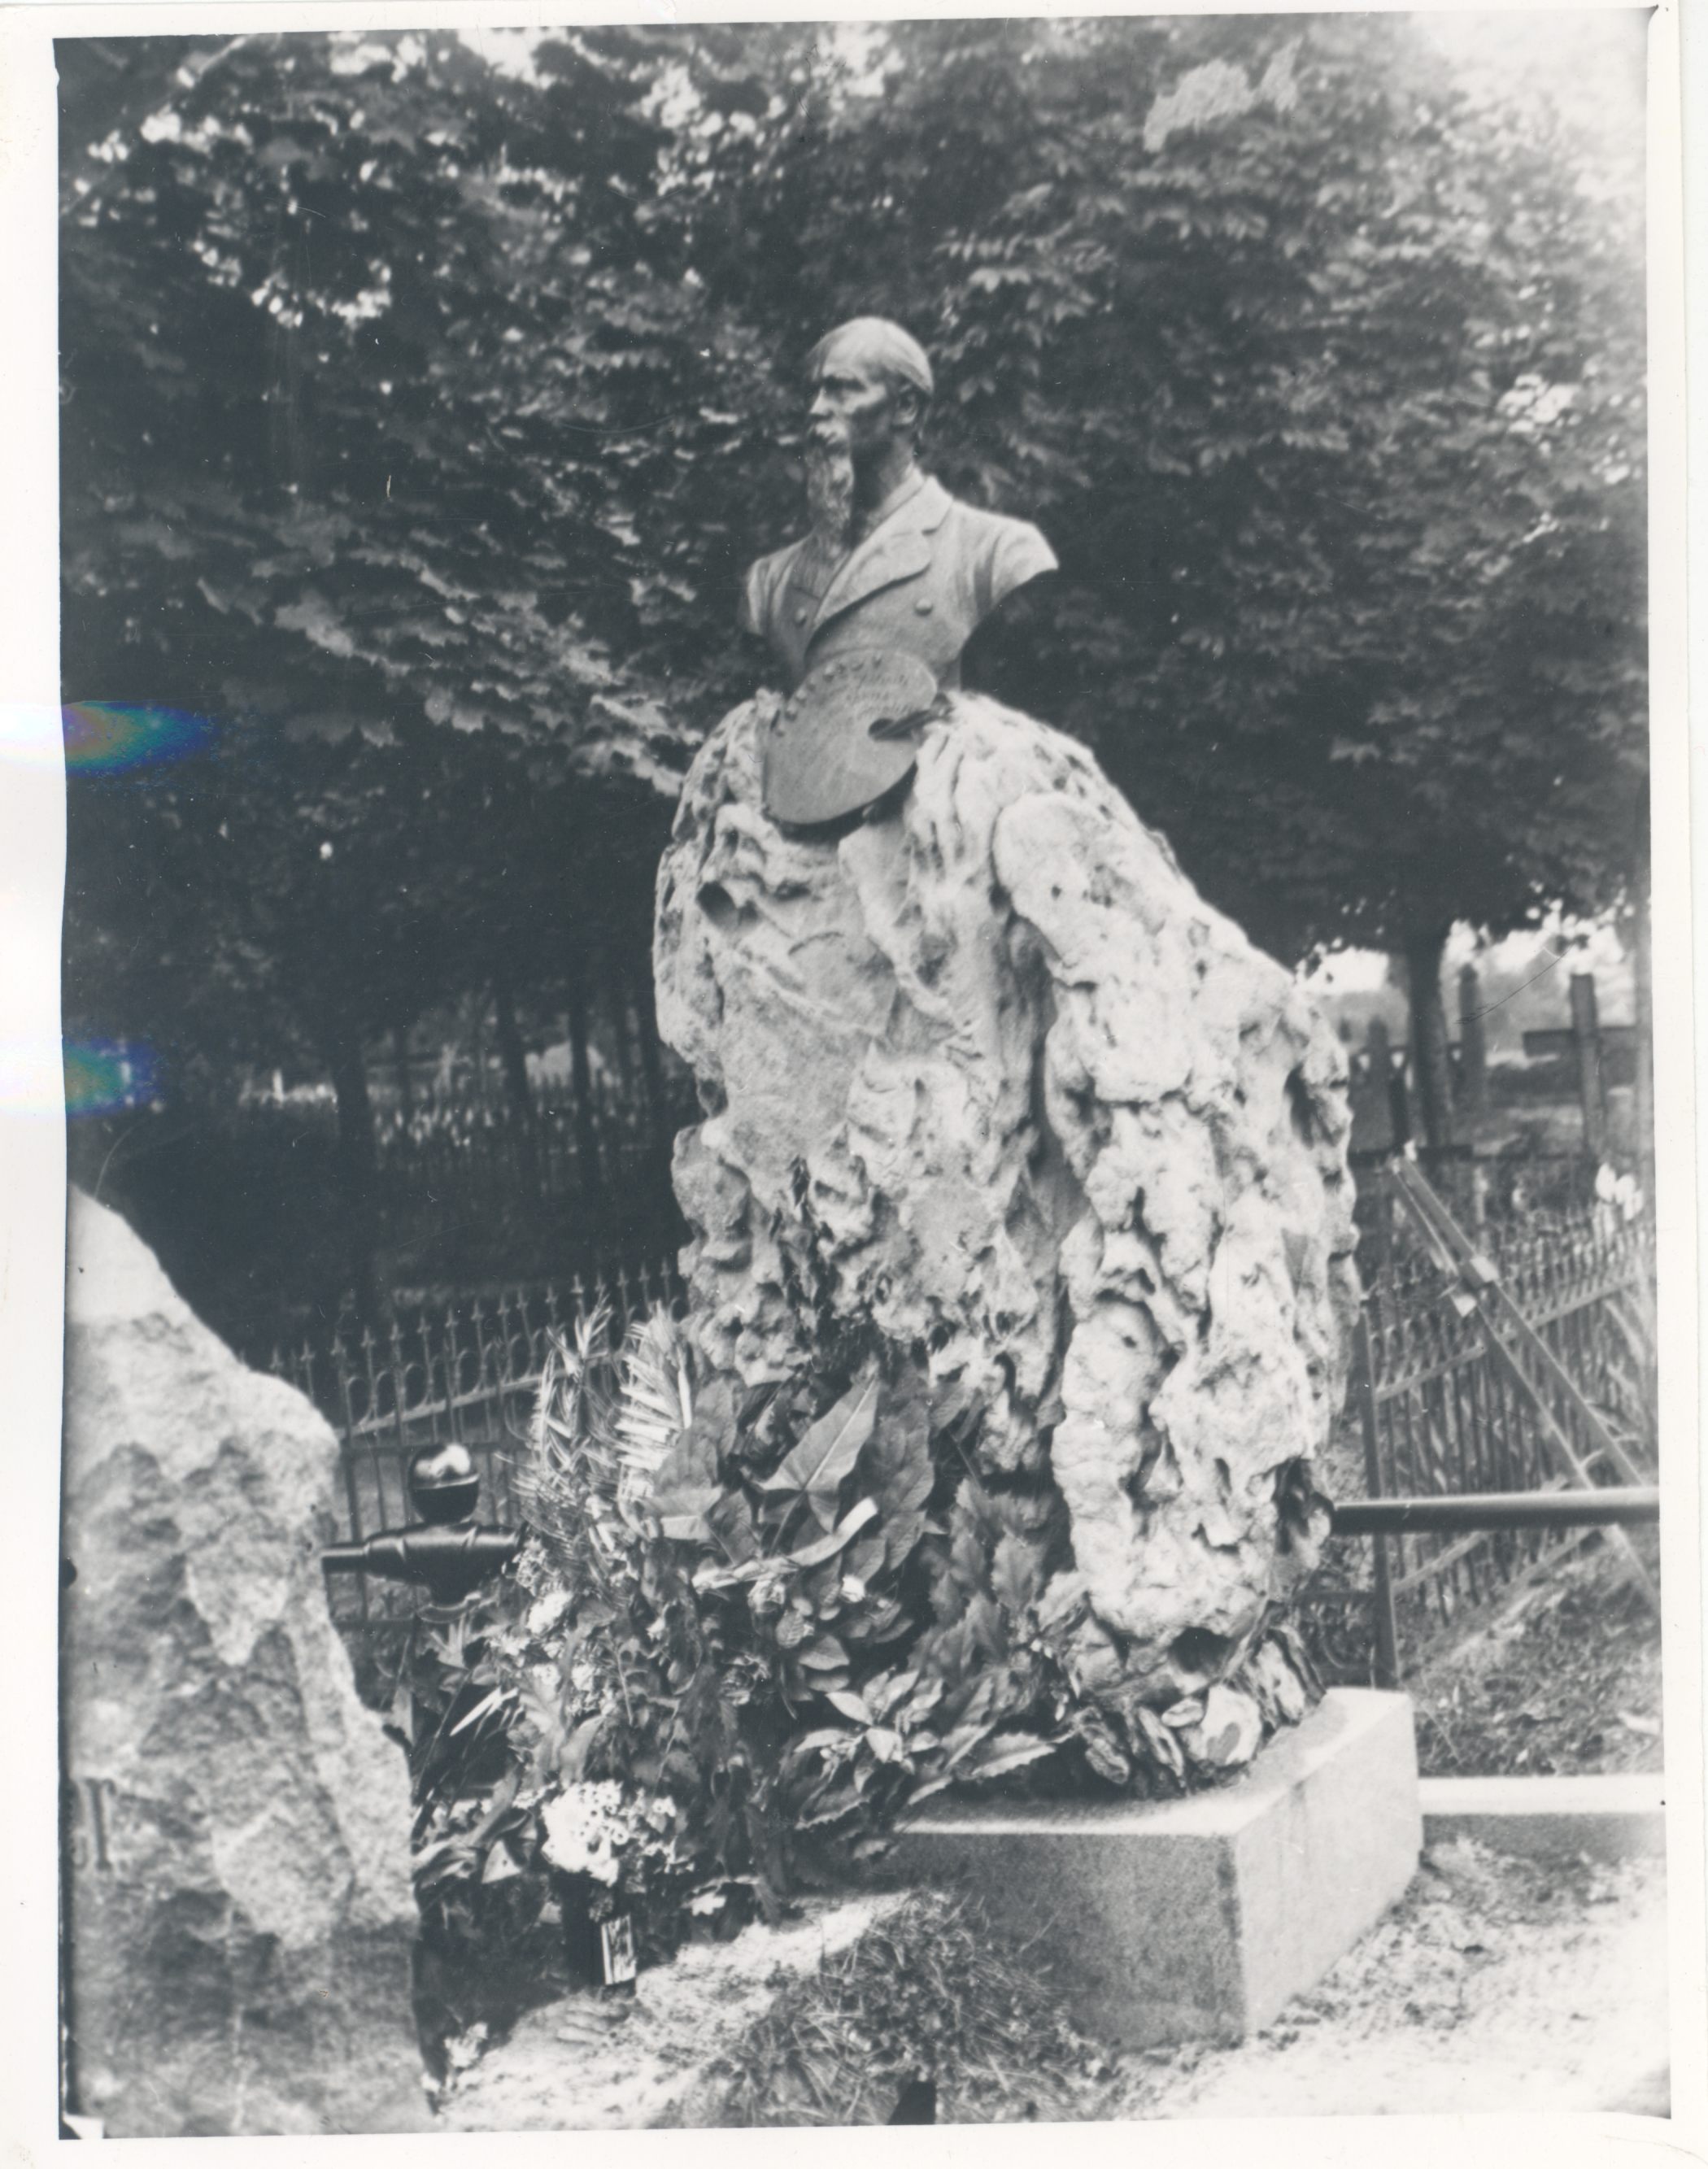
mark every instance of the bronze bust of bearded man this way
{"type": "Point", "coordinates": [867, 616]}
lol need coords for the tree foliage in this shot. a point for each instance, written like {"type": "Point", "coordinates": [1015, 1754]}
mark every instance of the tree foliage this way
{"type": "Point", "coordinates": [422, 408]}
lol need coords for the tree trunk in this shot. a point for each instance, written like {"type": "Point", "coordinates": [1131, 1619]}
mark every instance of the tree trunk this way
{"type": "Point", "coordinates": [357, 1173]}
{"type": "Point", "coordinates": [1473, 1045]}
{"type": "Point", "coordinates": [651, 1053]}
{"type": "Point", "coordinates": [581, 1079]}
{"type": "Point", "coordinates": [511, 1052]}
{"type": "Point", "coordinates": [1423, 951]}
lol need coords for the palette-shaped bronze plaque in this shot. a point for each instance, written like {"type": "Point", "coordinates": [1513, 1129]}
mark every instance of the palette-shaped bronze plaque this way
{"type": "Point", "coordinates": [845, 735]}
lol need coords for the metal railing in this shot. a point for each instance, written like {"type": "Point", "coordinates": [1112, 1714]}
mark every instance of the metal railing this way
{"type": "Point", "coordinates": [1524, 1366]}
{"type": "Point", "coordinates": [467, 1372]}
{"type": "Point", "coordinates": [480, 1150]}
{"type": "Point", "coordinates": [1499, 1196]}
{"type": "Point", "coordinates": [1630, 1506]}
{"type": "Point", "coordinates": [1479, 1515]}
{"type": "Point", "coordinates": [1432, 1412]}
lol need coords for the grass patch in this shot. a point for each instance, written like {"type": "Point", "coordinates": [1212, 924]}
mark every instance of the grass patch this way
{"type": "Point", "coordinates": [1564, 1679]}
{"type": "Point", "coordinates": [932, 1995]}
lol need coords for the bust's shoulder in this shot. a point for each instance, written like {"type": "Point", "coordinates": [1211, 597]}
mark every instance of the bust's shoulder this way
{"type": "Point", "coordinates": [1006, 552]}
{"type": "Point", "coordinates": [994, 531]}
{"type": "Point", "coordinates": [775, 565]}
{"type": "Point", "coordinates": [764, 581]}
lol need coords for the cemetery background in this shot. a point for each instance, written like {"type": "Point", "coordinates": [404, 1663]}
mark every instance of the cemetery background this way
{"type": "Point", "coordinates": [410, 871]}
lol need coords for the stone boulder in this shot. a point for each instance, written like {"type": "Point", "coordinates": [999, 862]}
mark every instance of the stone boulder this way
{"type": "Point", "coordinates": [240, 1914]}
{"type": "Point", "coordinates": [986, 1073]}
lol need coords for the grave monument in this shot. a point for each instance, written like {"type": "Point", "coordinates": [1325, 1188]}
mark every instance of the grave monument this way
{"type": "Point", "coordinates": [981, 1070]}
{"type": "Point", "coordinates": [979, 1065]}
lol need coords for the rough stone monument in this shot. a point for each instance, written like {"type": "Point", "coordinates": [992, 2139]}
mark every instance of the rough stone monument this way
{"type": "Point", "coordinates": [982, 1069]}
{"type": "Point", "coordinates": [239, 1914]}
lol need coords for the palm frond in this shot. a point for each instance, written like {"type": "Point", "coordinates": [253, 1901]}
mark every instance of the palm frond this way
{"type": "Point", "coordinates": [656, 1402]}
{"type": "Point", "coordinates": [604, 1420]}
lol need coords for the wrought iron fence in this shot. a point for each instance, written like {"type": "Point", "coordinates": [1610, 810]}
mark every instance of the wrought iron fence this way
{"type": "Point", "coordinates": [458, 1143]}
{"type": "Point", "coordinates": [1438, 1410]}
{"type": "Point", "coordinates": [1432, 1412]}
{"type": "Point", "coordinates": [467, 1372]}
{"type": "Point", "coordinates": [454, 1182]}
{"type": "Point", "coordinates": [1495, 1194]}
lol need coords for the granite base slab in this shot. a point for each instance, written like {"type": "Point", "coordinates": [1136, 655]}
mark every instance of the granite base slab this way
{"type": "Point", "coordinates": [1198, 1918]}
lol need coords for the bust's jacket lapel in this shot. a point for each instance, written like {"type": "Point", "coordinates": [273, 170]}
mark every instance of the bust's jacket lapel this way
{"type": "Point", "coordinates": [897, 550]}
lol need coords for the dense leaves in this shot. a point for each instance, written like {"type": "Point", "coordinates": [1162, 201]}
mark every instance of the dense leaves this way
{"type": "Point", "coordinates": [423, 393]}
{"type": "Point", "coordinates": [750, 1630]}
{"type": "Point", "coordinates": [931, 1996]}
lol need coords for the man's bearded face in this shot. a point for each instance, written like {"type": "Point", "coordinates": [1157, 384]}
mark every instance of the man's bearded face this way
{"type": "Point", "coordinates": [852, 424]}
{"type": "Point", "coordinates": [830, 485]}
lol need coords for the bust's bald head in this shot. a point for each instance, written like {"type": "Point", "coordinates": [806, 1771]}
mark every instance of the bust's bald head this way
{"type": "Point", "coordinates": [875, 343]}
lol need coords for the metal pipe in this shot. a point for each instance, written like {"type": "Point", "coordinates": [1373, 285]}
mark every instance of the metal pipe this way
{"type": "Point", "coordinates": [1622, 1507]}
{"type": "Point", "coordinates": [421, 1554]}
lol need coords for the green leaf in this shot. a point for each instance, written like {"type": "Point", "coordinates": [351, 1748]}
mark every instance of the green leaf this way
{"type": "Point", "coordinates": [901, 1538]}
{"type": "Point", "coordinates": [1017, 1574]}
{"type": "Point", "coordinates": [815, 1467]}
{"type": "Point", "coordinates": [879, 1621]}
{"type": "Point", "coordinates": [577, 1747]}
{"type": "Point", "coordinates": [920, 1794]}
{"type": "Point", "coordinates": [685, 1488]}
{"type": "Point", "coordinates": [810, 1743]}
{"type": "Point", "coordinates": [831, 1807]}
{"type": "Point", "coordinates": [1003, 1752]}
{"type": "Point", "coordinates": [824, 1548]}
{"type": "Point", "coordinates": [897, 1466]}
{"type": "Point", "coordinates": [924, 1699]}
{"type": "Point", "coordinates": [682, 1515]}
{"type": "Point", "coordinates": [731, 1522]}
{"type": "Point", "coordinates": [483, 1709]}
{"type": "Point", "coordinates": [961, 1741]}
{"type": "Point", "coordinates": [888, 1689]}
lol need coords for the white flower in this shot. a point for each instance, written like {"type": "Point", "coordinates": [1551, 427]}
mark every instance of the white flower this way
{"type": "Point", "coordinates": [544, 1614]}
{"type": "Point", "coordinates": [584, 1826]}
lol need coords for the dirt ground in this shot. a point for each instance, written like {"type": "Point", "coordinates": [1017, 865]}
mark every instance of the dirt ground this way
{"type": "Point", "coordinates": [597, 2059]}
{"type": "Point", "coordinates": [1498, 1984]}
{"type": "Point", "coordinates": [1495, 1986]}
{"type": "Point", "coordinates": [1564, 1677]}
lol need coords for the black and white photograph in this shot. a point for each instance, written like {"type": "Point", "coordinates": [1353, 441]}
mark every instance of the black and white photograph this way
{"type": "Point", "coordinates": [871, 1012]}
